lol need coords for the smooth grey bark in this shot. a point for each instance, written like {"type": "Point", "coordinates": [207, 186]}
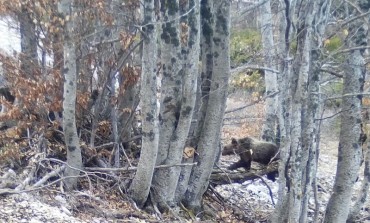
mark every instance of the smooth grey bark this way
{"type": "Point", "coordinates": [202, 92]}
{"type": "Point", "coordinates": [74, 159]}
{"type": "Point", "coordinates": [204, 80]}
{"type": "Point", "coordinates": [114, 120]}
{"type": "Point", "coordinates": [114, 32]}
{"type": "Point", "coordinates": [269, 124]}
{"type": "Point", "coordinates": [171, 92]}
{"type": "Point", "coordinates": [191, 70]}
{"type": "Point", "coordinates": [349, 150]}
{"type": "Point", "coordinates": [180, 69]}
{"type": "Point", "coordinates": [208, 141]}
{"type": "Point", "coordinates": [140, 186]}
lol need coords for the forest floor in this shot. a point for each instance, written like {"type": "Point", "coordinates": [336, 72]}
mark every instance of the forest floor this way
{"type": "Point", "coordinates": [251, 198]}
{"type": "Point", "coordinates": [254, 196]}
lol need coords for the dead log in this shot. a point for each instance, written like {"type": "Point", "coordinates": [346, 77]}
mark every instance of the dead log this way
{"type": "Point", "coordinates": [220, 177]}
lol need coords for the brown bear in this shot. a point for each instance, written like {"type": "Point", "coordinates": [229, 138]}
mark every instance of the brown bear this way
{"type": "Point", "coordinates": [250, 149]}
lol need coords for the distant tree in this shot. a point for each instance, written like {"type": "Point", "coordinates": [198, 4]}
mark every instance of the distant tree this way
{"type": "Point", "coordinates": [269, 55]}
{"type": "Point", "coordinates": [29, 40]}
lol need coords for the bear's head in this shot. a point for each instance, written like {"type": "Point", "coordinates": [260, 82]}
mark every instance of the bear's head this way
{"type": "Point", "coordinates": [238, 146]}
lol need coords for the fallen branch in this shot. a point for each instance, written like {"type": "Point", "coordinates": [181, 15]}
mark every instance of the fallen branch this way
{"type": "Point", "coordinates": [269, 188]}
{"type": "Point", "coordinates": [135, 168]}
{"type": "Point", "coordinates": [48, 176]}
{"type": "Point", "coordinates": [27, 180]}
{"type": "Point", "coordinates": [220, 178]}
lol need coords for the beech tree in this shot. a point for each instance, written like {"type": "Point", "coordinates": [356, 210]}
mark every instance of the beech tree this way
{"type": "Point", "coordinates": [207, 146]}
{"type": "Point", "coordinates": [350, 149]}
{"type": "Point", "coordinates": [179, 57]}
{"type": "Point", "coordinates": [184, 45]}
{"type": "Point", "coordinates": [178, 88]}
{"type": "Point", "coordinates": [74, 159]}
{"type": "Point", "coordinates": [269, 124]}
{"type": "Point", "coordinates": [298, 108]}
{"type": "Point", "coordinates": [141, 183]}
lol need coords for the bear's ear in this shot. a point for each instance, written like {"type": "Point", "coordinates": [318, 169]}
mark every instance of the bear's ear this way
{"type": "Point", "coordinates": [234, 141]}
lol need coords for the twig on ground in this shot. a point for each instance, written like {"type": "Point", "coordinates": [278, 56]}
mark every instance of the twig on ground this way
{"type": "Point", "coordinates": [27, 180]}
{"type": "Point", "coordinates": [124, 153]}
{"type": "Point", "coordinates": [48, 176]}
{"type": "Point", "coordinates": [218, 197]}
{"type": "Point", "coordinates": [269, 188]}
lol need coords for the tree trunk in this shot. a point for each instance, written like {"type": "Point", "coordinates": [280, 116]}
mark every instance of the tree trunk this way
{"type": "Point", "coordinates": [28, 58]}
{"type": "Point", "coordinates": [296, 118]}
{"type": "Point", "coordinates": [203, 90]}
{"type": "Point", "coordinates": [140, 185]}
{"type": "Point", "coordinates": [208, 141]}
{"type": "Point", "coordinates": [269, 124]}
{"type": "Point", "coordinates": [178, 96]}
{"type": "Point", "coordinates": [362, 195]}
{"type": "Point", "coordinates": [299, 154]}
{"type": "Point", "coordinates": [284, 108]}
{"type": "Point", "coordinates": [191, 71]}
{"type": "Point", "coordinates": [349, 150]}
{"type": "Point", "coordinates": [71, 138]}
{"type": "Point", "coordinates": [171, 91]}
{"type": "Point", "coordinates": [310, 129]}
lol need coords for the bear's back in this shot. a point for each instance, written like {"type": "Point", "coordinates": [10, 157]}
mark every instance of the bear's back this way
{"type": "Point", "coordinates": [263, 152]}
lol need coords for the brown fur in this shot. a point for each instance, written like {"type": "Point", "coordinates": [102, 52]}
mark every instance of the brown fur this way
{"type": "Point", "coordinates": [250, 149]}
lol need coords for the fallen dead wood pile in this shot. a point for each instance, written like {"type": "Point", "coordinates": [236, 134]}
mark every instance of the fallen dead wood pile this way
{"type": "Point", "coordinates": [220, 177]}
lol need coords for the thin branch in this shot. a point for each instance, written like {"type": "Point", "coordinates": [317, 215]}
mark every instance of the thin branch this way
{"type": "Point", "coordinates": [168, 21]}
{"type": "Point", "coordinates": [253, 103]}
{"type": "Point", "coordinates": [269, 188]}
{"type": "Point", "coordinates": [348, 95]}
{"type": "Point", "coordinates": [124, 153]}
{"type": "Point", "coordinates": [331, 72]}
{"type": "Point", "coordinates": [331, 116]}
{"type": "Point", "coordinates": [351, 49]}
{"type": "Point", "coordinates": [135, 168]}
{"type": "Point", "coordinates": [48, 176]}
{"type": "Point", "coordinates": [347, 22]}
{"type": "Point", "coordinates": [254, 6]}
{"type": "Point", "coordinates": [253, 67]}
